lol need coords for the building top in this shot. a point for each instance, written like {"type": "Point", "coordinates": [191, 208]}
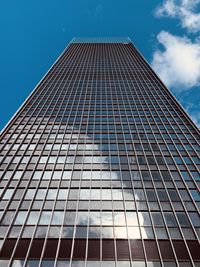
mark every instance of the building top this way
{"type": "Point", "coordinates": [101, 40]}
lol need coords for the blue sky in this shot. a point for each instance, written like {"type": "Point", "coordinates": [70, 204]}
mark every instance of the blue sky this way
{"type": "Point", "coordinates": [34, 33]}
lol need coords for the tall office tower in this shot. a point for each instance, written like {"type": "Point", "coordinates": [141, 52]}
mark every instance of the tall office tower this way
{"type": "Point", "coordinates": [100, 167]}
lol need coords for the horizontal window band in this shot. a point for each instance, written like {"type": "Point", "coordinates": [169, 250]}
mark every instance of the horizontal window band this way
{"type": "Point", "coordinates": [96, 249]}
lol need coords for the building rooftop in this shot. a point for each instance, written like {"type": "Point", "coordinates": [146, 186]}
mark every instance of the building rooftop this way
{"type": "Point", "coordinates": [101, 40]}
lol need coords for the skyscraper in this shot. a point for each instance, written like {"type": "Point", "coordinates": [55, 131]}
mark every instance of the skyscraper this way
{"type": "Point", "coordinates": [100, 167]}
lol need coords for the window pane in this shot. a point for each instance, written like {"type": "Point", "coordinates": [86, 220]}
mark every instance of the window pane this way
{"type": "Point", "coordinates": [33, 217]}
{"type": "Point", "coordinates": [45, 218]}
{"type": "Point", "coordinates": [57, 217]}
{"type": "Point", "coordinates": [16, 263]}
{"type": "Point", "coordinates": [21, 217]}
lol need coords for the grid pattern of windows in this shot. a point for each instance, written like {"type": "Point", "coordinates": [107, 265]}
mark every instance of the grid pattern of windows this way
{"type": "Point", "coordinates": [100, 167]}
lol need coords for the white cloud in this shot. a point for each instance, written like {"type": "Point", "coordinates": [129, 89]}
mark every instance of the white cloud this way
{"type": "Point", "coordinates": [178, 63]}
{"type": "Point", "coordinates": [195, 116]}
{"type": "Point", "coordinates": [192, 109]}
{"type": "Point", "coordinates": [184, 10]}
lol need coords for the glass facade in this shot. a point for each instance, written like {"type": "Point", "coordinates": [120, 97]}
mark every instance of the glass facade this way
{"type": "Point", "coordinates": [100, 167]}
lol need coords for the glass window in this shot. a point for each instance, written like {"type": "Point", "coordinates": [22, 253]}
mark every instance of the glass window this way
{"type": "Point", "coordinates": [175, 233]}
{"type": "Point", "coordinates": [86, 175]}
{"type": "Point", "coordinates": [47, 263]}
{"type": "Point", "coordinates": [94, 218]}
{"type": "Point", "coordinates": [18, 193]}
{"type": "Point", "coordinates": [30, 194]}
{"type": "Point", "coordinates": [106, 218]}
{"type": "Point", "coordinates": [52, 194]}
{"type": "Point", "coordinates": [157, 219]}
{"type": "Point", "coordinates": [8, 216]}
{"type": "Point", "coordinates": [131, 218]}
{"type": "Point", "coordinates": [185, 195]}
{"type": "Point", "coordinates": [107, 264]}
{"type": "Point", "coordinates": [153, 264]}
{"type": "Point", "coordinates": [188, 233]}
{"type": "Point", "coordinates": [78, 264]}
{"type": "Point", "coordinates": [135, 175]}
{"type": "Point", "coordinates": [57, 146]}
{"type": "Point", "coordinates": [43, 159]}
{"type": "Point", "coordinates": [25, 160]}
{"type": "Point", "coordinates": [37, 175]}
{"type": "Point", "coordinates": [16, 263]}
{"type": "Point", "coordinates": [178, 160]}
{"type": "Point", "coordinates": [15, 231]}
{"type": "Point", "coordinates": [8, 193]}
{"type": "Point", "coordinates": [40, 194]}
{"type": "Point", "coordinates": [133, 232]}
{"type": "Point", "coordinates": [156, 176]}
{"type": "Point", "coordinates": [85, 194]}
{"type": "Point", "coordinates": [57, 175]}
{"type": "Point", "coordinates": [63, 263]}
{"type": "Point", "coordinates": [61, 159]}
{"type": "Point", "coordinates": [147, 232]}
{"type": "Point", "coordinates": [194, 216]}
{"type": "Point", "coordinates": [95, 194]}
{"type": "Point", "coordinates": [33, 217]}
{"type": "Point", "coordinates": [119, 218]}
{"type": "Point", "coordinates": [69, 218]}
{"type": "Point", "coordinates": [182, 218]}
{"type": "Point", "coordinates": [51, 160]}
{"type": "Point", "coordinates": [138, 264]}
{"type": "Point", "coordinates": [73, 194]}
{"type": "Point", "coordinates": [139, 194]}
{"type": "Point", "coordinates": [17, 175]}
{"type": "Point", "coordinates": [16, 159]}
{"type": "Point", "coordinates": [161, 233]}
{"type": "Point", "coordinates": [195, 195]}
{"type": "Point", "coordinates": [67, 231]}
{"type": "Point", "coordinates": [187, 160]}
{"type": "Point", "coordinates": [21, 217]}
{"type": "Point", "coordinates": [151, 160]}
{"type": "Point", "coordinates": [196, 176]}
{"type": "Point", "coordinates": [106, 194]}
{"type": "Point", "coordinates": [117, 194]}
{"type": "Point", "coordinates": [142, 160]}
{"type": "Point", "coordinates": [47, 175]}
{"type": "Point", "coordinates": [48, 147]}
{"type": "Point", "coordinates": [144, 218]}
{"type": "Point", "coordinates": [45, 218]}
{"type": "Point", "coordinates": [94, 232]}
{"type": "Point", "coordinates": [146, 175]}
{"type": "Point", "coordinates": [120, 232]}
{"type": "Point", "coordinates": [166, 176]}
{"type": "Point", "coordinates": [7, 175]}
{"type": "Point", "coordinates": [160, 160]}
{"type": "Point", "coordinates": [128, 195]}
{"type": "Point", "coordinates": [173, 195]}
{"type": "Point", "coordinates": [162, 195]}
{"type": "Point", "coordinates": [123, 264]}
{"type": "Point", "coordinates": [82, 218]}
{"type": "Point", "coordinates": [170, 219]}
{"type": "Point", "coordinates": [62, 194]}
{"type": "Point", "coordinates": [151, 195]}
{"type": "Point", "coordinates": [186, 176]}
{"type": "Point", "coordinates": [28, 231]}
{"type": "Point", "coordinates": [57, 218]}
{"type": "Point", "coordinates": [66, 175]}
{"type": "Point", "coordinates": [54, 232]}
